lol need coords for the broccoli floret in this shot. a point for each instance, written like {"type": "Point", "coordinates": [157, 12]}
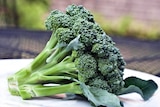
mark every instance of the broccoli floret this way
{"type": "Point", "coordinates": [64, 35]}
{"type": "Point", "coordinates": [100, 82]}
{"type": "Point", "coordinates": [57, 19]}
{"type": "Point", "coordinates": [79, 58]}
{"type": "Point", "coordinates": [105, 66]}
{"type": "Point", "coordinates": [115, 80]}
{"type": "Point", "coordinates": [87, 67]}
{"type": "Point", "coordinates": [79, 12]}
{"type": "Point", "coordinates": [86, 31]}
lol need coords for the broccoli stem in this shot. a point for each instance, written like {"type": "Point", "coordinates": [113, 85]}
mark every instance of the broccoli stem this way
{"type": "Point", "coordinates": [41, 58]}
{"type": "Point", "coordinates": [62, 68]}
{"type": "Point", "coordinates": [17, 79]}
{"type": "Point", "coordinates": [23, 73]}
{"type": "Point", "coordinates": [49, 79]}
{"type": "Point", "coordinates": [20, 76]}
{"type": "Point", "coordinates": [55, 58]}
{"type": "Point", "coordinates": [63, 51]}
{"type": "Point", "coordinates": [65, 69]}
{"type": "Point", "coordinates": [30, 91]}
{"type": "Point", "coordinates": [57, 65]}
{"type": "Point", "coordinates": [59, 68]}
{"type": "Point", "coordinates": [13, 86]}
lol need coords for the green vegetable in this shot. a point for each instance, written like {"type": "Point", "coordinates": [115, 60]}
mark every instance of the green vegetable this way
{"type": "Point", "coordinates": [78, 59]}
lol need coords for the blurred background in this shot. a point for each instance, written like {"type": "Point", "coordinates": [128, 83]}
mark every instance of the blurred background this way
{"type": "Point", "coordinates": [133, 24]}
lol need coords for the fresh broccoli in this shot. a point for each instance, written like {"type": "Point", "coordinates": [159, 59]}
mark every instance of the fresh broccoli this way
{"type": "Point", "coordinates": [78, 59]}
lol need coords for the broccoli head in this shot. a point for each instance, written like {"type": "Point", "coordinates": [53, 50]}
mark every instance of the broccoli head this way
{"type": "Point", "coordinates": [78, 50]}
{"type": "Point", "coordinates": [79, 58]}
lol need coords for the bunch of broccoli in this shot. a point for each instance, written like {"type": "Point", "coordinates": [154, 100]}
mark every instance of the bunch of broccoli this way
{"type": "Point", "coordinates": [78, 59]}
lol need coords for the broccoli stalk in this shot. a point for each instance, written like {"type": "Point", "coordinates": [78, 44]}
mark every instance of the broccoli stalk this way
{"type": "Point", "coordinates": [31, 91]}
{"type": "Point", "coordinates": [39, 64]}
{"type": "Point", "coordinates": [79, 59]}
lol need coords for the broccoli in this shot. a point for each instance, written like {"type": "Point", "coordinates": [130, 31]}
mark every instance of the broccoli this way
{"type": "Point", "coordinates": [79, 58]}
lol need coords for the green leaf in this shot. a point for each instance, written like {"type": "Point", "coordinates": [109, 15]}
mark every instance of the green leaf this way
{"type": "Point", "coordinates": [99, 97]}
{"type": "Point", "coordinates": [145, 88]}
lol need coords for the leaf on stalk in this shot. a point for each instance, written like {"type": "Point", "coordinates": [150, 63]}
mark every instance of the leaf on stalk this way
{"type": "Point", "coordinates": [99, 97]}
{"type": "Point", "coordinates": [145, 88]}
